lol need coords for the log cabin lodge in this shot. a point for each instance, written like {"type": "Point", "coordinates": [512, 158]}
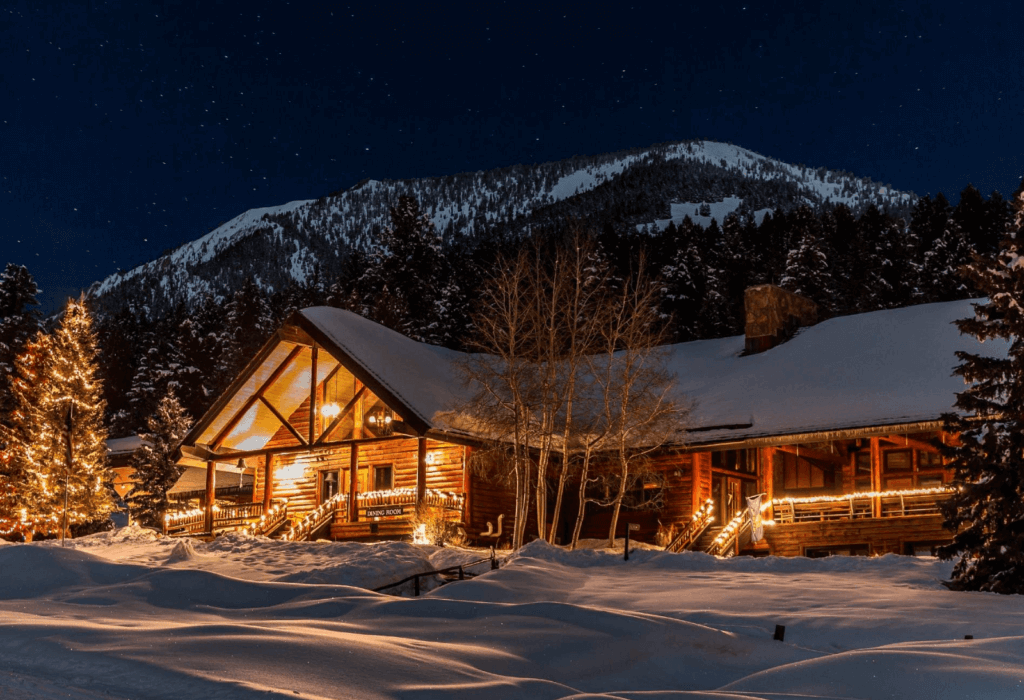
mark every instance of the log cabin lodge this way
{"type": "Point", "coordinates": [340, 426]}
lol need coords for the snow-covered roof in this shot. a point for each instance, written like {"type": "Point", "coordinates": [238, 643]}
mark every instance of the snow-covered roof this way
{"type": "Point", "coordinates": [123, 445]}
{"type": "Point", "coordinates": [873, 369]}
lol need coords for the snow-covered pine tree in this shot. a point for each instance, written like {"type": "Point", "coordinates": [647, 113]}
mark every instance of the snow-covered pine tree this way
{"type": "Point", "coordinates": [55, 373]}
{"type": "Point", "coordinates": [19, 321]}
{"type": "Point", "coordinates": [153, 462]}
{"type": "Point", "coordinates": [940, 278]}
{"type": "Point", "coordinates": [684, 285]}
{"type": "Point", "coordinates": [987, 510]}
{"type": "Point", "coordinates": [408, 283]}
{"type": "Point", "coordinates": [807, 267]}
{"type": "Point", "coordinates": [249, 322]}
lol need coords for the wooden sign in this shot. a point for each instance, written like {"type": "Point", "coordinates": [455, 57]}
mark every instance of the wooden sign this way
{"type": "Point", "coordinates": [384, 511]}
{"type": "Point", "coordinates": [633, 527]}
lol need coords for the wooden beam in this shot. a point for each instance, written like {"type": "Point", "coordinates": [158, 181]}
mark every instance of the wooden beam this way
{"type": "Point", "coordinates": [767, 459]}
{"type": "Point", "coordinates": [211, 495]}
{"type": "Point", "coordinates": [268, 482]}
{"type": "Point", "coordinates": [257, 395]}
{"type": "Point", "coordinates": [353, 484]}
{"type": "Point", "coordinates": [312, 396]}
{"type": "Point", "coordinates": [284, 422]}
{"type": "Point", "coordinates": [232, 456]}
{"type": "Point", "coordinates": [811, 453]}
{"type": "Point", "coordinates": [341, 416]}
{"type": "Point", "coordinates": [876, 476]}
{"type": "Point", "coordinates": [421, 470]}
{"type": "Point", "coordinates": [904, 441]}
{"type": "Point", "coordinates": [467, 488]}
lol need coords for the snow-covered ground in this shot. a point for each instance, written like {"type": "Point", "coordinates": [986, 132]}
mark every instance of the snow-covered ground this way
{"type": "Point", "coordinates": [133, 615]}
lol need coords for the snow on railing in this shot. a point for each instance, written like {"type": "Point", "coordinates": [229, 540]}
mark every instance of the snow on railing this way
{"type": "Point", "coordinates": [398, 497]}
{"type": "Point", "coordinates": [316, 518]}
{"type": "Point", "coordinates": [854, 506]}
{"type": "Point", "coordinates": [270, 520]}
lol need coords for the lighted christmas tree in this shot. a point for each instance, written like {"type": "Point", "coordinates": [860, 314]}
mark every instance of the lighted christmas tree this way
{"type": "Point", "coordinates": [155, 470]}
{"type": "Point", "coordinates": [56, 376]}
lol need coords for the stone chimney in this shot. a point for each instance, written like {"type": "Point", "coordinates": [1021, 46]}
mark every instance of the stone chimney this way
{"type": "Point", "coordinates": [773, 315]}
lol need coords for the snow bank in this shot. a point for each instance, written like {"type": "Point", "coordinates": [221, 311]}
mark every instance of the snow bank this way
{"type": "Point", "coordinates": [88, 621]}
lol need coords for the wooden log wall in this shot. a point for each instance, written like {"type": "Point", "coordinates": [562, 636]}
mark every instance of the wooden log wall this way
{"type": "Point", "coordinates": [881, 535]}
{"type": "Point", "coordinates": [302, 482]}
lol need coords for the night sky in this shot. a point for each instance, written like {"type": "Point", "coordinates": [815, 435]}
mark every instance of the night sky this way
{"type": "Point", "coordinates": [127, 129]}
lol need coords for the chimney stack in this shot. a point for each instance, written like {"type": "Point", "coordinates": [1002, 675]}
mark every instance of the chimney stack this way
{"type": "Point", "coordinates": [773, 315]}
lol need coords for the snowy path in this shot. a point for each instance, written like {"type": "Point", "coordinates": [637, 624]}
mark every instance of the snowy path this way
{"type": "Point", "coordinates": [110, 619]}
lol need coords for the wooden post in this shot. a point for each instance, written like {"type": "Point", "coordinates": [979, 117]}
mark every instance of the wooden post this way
{"type": "Point", "coordinates": [467, 488]}
{"type": "Point", "coordinates": [353, 483]}
{"type": "Point", "coordinates": [312, 396]}
{"type": "Point", "coordinates": [876, 476]}
{"type": "Point", "coordinates": [695, 500]}
{"type": "Point", "coordinates": [766, 459]}
{"type": "Point", "coordinates": [268, 482]}
{"type": "Point", "coordinates": [421, 470]}
{"type": "Point", "coordinates": [211, 494]}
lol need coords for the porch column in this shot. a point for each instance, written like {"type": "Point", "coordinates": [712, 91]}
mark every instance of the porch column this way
{"type": "Point", "coordinates": [268, 482]}
{"type": "Point", "coordinates": [876, 476]}
{"type": "Point", "coordinates": [211, 490]}
{"type": "Point", "coordinates": [353, 483]}
{"type": "Point", "coordinates": [766, 458]}
{"type": "Point", "coordinates": [313, 433]}
{"type": "Point", "coordinates": [467, 488]}
{"type": "Point", "coordinates": [421, 470]}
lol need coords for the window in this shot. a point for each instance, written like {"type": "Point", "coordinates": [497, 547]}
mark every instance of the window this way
{"type": "Point", "coordinates": [862, 471]}
{"type": "Point", "coordinates": [898, 470]}
{"type": "Point", "coordinates": [800, 473]}
{"type": "Point", "coordinates": [383, 478]}
{"type": "Point", "coordinates": [733, 460]}
{"type": "Point", "coordinates": [911, 469]}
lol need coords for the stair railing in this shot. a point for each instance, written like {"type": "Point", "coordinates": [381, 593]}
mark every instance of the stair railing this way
{"type": "Point", "coordinates": [692, 531]}
{"type": "Point", "coordinates": [317, 518]}
{"type": "Point", "coordinates": [726, 540]}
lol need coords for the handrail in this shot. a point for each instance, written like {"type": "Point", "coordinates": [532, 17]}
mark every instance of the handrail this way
{"type": "Point", "coordinates": [727, 538]}
{"type": "Point", "coordinates": [692, 531]}
{"type": "Point", "coordinates": [317, 518]}
{"type": "Point", "coordinates": [856, 506]}
{"type": "Point", "coordinates": [460, 568]}
{"type": "Point", "coordinates": [271, 520]}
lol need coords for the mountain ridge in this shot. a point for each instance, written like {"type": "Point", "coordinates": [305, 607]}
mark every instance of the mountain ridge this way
{"type": "Point", "coordinates": [305, 240]}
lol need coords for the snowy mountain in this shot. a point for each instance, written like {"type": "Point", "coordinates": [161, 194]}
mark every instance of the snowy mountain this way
{"type": "Point", "coordinates": [304, 240]}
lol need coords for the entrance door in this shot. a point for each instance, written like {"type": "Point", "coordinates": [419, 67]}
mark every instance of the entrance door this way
{"type": "Point", "coordinates": [728, 498]}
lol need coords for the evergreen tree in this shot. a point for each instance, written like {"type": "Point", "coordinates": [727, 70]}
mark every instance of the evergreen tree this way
{"type": "Point", "coordinates": [154, 464]}
{"type": "Point", "coordinates": [249, 322]}
{"type": "Point", "coordinates": [57, 373]}
{"type": "Point", "coordinates": [987, 510]}
{"type": "Point", "coordinates": [808, 272]}
{"type": "Point", "coordinates": [19, 321]}
{"type": "Point", "coordinates": [408, 283]}
{"type": "Point", "coordinates": [940, 277]}
{"type": "Point", "coordinates": [684, 284]}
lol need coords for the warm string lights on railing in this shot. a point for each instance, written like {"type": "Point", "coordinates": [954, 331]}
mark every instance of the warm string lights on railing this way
{"type": "Point", "coordinates": [939, 490]}
{"type": "Point", "coordinates": [302, 528]}
{"type": "Point", "coordinates": [277, 512]}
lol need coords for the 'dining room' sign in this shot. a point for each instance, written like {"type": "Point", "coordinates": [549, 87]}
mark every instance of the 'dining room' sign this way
{"type": "Point", "coordinates": [384, 511]}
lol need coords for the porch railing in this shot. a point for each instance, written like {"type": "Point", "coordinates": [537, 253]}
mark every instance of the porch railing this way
{"type": "Point", "coordinates": [692, 531]}
{"type": "Point", "coordinates": [860, 505]}
{"type": "Point", "coordinates": [407, 497]}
